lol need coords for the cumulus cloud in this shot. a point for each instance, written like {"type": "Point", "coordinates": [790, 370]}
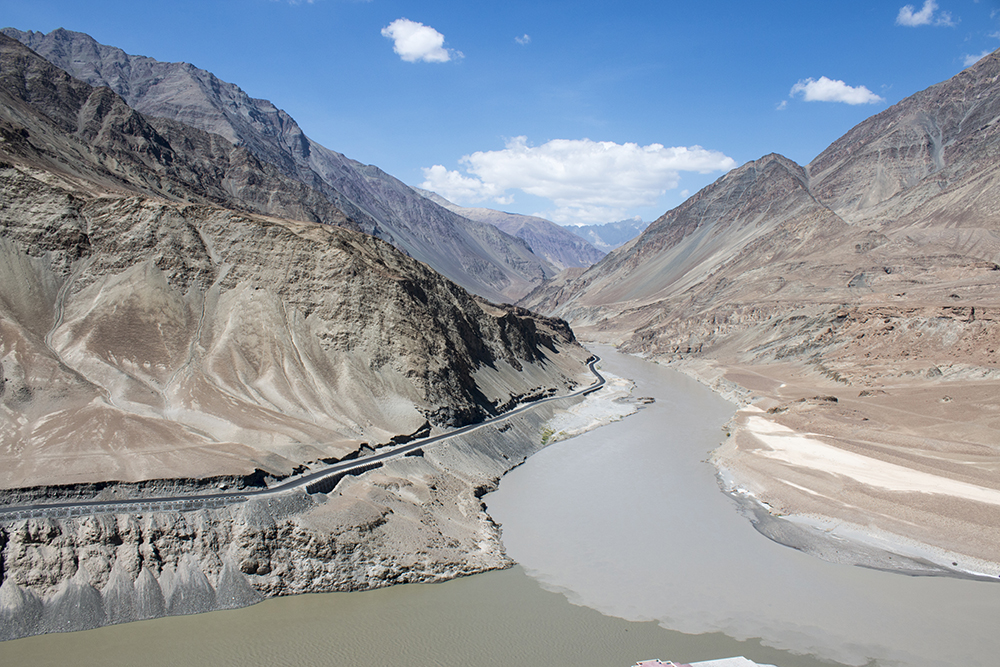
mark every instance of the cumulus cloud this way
{"type": "Point", "coordinates": [588, 181]}
{"type": "Point", "coordinates": [971, 60]}
{"type": "Point", "coordinates": [454, 186]}
{"type": "Point", "coordinates": [415, 42]}
{"type": "Point", "coordinates": [910, 17]}
{"type": "Point", "coordinates": [523, 40]}
{"type": "Point", "coordinates": [830, 90]}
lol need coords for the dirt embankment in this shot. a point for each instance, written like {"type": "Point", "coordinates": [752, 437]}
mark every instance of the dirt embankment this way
{"type": "Point", "coordinates": [415, 519]}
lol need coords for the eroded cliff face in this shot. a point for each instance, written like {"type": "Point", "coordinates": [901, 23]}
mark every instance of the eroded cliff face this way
{"type": "Point", "coordinates": [416, 519]}
{"type": "Point", "coordinates": [156, 325]}
{"type": "Point", "coordinates": [174, 316]}
{"type": "Point", "coordinates": [89, 137]}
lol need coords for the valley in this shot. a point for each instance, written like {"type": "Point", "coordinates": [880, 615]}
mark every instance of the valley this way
{"type": "Point", "coordinates": [236, 364]}
{"type": "Point", "coordinates": [849, 306]}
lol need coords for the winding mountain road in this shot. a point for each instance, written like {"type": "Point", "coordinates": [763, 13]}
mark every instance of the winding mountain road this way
{"type": "Point", "coordinates": [319, 481]}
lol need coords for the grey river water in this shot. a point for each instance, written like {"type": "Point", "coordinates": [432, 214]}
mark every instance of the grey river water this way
{"type": "Point", "coordinates": [627, 520]}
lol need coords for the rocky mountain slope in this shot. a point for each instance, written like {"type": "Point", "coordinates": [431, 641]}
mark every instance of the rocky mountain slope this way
{"type": "Point", "coordinates": [149, 332]}
{"type": "Point", "coordinates": [63, 126]}
{"type": "Point", "coordinates": [475, 255]}
{"type": "Point", "coordinates": [901, 211]}
{"type": "Point", "coordinates": [855, 297]}
{"type": "Point", "coordinates": [560, 246]}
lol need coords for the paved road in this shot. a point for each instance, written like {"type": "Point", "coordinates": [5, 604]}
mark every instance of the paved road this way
{"type": "Point", "coordinates": [320, 481]}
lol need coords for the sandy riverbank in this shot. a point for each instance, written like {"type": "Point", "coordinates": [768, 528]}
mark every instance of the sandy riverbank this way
{"type": "Point", "coordinates": [902, 475]}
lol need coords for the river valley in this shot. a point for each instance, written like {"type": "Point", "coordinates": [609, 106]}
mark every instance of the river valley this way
{"type": "Point", "coordinates": [627, 520]}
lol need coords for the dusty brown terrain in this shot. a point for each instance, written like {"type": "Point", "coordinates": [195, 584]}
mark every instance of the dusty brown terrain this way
{"type": "Point", "coordinates": [177, 317]}
{"type": "Point", "coordinates": [158, 320]}
{"type": "Point", "coordinates": [416, 519]}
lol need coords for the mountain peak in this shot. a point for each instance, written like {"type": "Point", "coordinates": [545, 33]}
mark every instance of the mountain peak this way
{"type": "Point", "coordinates": [922, 135]}
{"type": "Point", "coordinates": [476, 255]}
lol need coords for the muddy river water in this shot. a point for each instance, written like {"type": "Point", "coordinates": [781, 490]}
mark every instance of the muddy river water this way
{"type": "Point", "coordinates": [628, 550]}
{"type": "Point", "coordinates": [629, 520]}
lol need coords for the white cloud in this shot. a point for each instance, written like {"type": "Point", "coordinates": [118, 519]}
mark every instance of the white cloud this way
{"type": "Point", "coordinates": [830, 90]}
{"type": "Point", "coordinates": [418, 42]}
{"type": "Point", "coordinates": [973, 59]}
{"type": "Point", "coordinates": [453, 186]}
{"type": "Point", "coordinates": [782, 105]}
{"type": "Point", "coordinates": [910, 17]}
{"type": "Point", "coordinates": [588, 181]}
{"type": "Point", "coordinates": [523, 40]}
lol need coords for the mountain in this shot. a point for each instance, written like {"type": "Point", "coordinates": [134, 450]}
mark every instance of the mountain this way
{"type": "Point", "coordinates": [856, 302]}
{"type": "Point", "coordinates": [678, 266]}
{"type": "Point", "coordinates": [610, 235]}
{"type": "Point", "coordinates": [475, 255]}
{"type": "Point", "coordinates": [81, 132]}
{"type": "Point", "coordinates": [161, 316]}
{"type": "Point", "coordinates": [562, 248]}
{"type": "Point", "coordinates": [901, 206]}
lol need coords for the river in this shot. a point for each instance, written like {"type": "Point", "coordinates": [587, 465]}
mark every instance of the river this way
{"type": "Point", "coordinates": [627, 520]}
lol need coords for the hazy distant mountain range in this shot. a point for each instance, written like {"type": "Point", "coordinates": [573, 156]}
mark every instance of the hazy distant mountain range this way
{"type": "Point", "coordinates": [610, 235]}
{"type": "Point", "coordinates": [559, 245]}
{"type": "Point", "coordinates": [473, 254]}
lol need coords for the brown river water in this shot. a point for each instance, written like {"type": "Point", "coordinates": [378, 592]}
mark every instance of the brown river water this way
{"type": "Point", "coordinates": [628, 551]}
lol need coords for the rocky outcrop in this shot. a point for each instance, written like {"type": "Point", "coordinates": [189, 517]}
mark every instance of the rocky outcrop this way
{"type": "Point", "coordinates": [63, 126]}
{"type": "Point", "coordinates": [176, 315]}
{"type": "Point", "coordinates": [475, 255]}
{"type": "Point", "coordinates": [160, 334]}
{"type": "Point", "coordinates": [213, 343]}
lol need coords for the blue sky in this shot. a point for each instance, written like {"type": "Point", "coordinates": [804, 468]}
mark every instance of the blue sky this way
{"type": "Point", "coordinates": [581, 111]}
